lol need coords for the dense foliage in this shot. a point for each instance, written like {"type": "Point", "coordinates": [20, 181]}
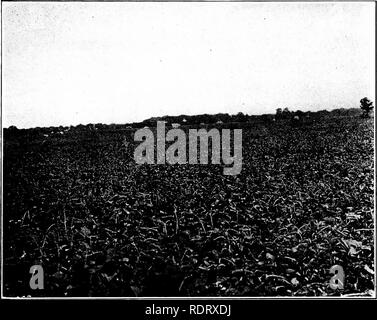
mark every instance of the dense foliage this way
{"type": "Point", "coordinates": [101, 225]}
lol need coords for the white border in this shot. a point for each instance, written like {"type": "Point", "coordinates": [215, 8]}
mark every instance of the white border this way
{"type": "Point", "coordinates": [183, 297]}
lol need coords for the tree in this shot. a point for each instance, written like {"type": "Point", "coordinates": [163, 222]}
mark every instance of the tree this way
{"type": "Point", "coordinates": [279, 113]}
{"type": "Point", "coordinates": [286, 113]}
{"type": "Point", "coordinates": [366, 105]}
{"type": "Point", "coordinates": [240, 117]}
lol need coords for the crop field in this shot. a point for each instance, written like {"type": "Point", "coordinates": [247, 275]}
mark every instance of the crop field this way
{"type": "Point", "coordinates": [102, 225]}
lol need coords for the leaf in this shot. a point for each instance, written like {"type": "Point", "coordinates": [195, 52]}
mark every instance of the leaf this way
{"type": "Point", "coordinates": [107, 277]}
{"type": "Point", "coordinates": [85, 231]}
{"type": "Point", "coordinates": [295, 282]}
{"type": "Point", "coordinates": [353, 216]}
{"type": "Point", "coordinates": [136, 290]}
{"type": "Point", "coordinates": [269, 256]}
{"type": "Point", "coordinates": [352, 243]}
{"type": "Point", "coordinates": [352, 251]}
{"type": "Point", "coordinates": [366, 267]}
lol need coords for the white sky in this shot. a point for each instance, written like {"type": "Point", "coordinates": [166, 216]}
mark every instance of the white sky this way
{"type": "Point", "coordinates": [70, 63]}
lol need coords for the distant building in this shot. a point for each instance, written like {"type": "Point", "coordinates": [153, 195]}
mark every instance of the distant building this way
{"type": "Point", "coordinates": [175, 125]}
{"type": "Point", "coordinates": [219, 122]}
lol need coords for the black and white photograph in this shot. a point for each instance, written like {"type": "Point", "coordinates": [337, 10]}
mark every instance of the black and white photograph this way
{"type": "Point", "coordinates": [200, 149]}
